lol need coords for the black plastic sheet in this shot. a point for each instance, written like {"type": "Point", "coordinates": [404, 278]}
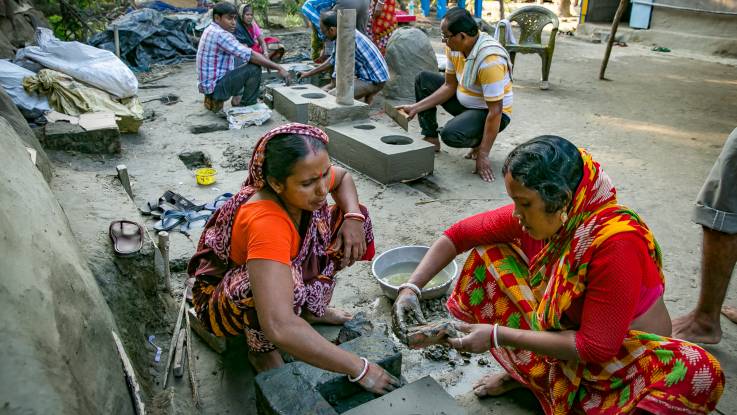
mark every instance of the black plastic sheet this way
{"type": "Point", "coordinates": [148, 37]}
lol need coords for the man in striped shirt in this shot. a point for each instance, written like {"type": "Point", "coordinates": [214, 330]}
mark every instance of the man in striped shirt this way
{"type": "Point", "coordinates": [217, 75]}
{"type": "Point", "coordinates": [371, 69]}
{"type": "Point", "coordinates": [476, 90]}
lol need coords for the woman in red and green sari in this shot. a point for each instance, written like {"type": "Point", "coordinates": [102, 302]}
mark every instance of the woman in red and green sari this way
{"type": "Point", "coordinates": [565, 288]}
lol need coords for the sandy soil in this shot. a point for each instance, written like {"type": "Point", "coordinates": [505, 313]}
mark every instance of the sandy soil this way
{"type": "Point", "coordinates": [656, 127]}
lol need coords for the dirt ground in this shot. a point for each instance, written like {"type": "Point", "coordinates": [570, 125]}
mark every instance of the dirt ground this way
{"type": "Point", "coordinates": [656, 127]}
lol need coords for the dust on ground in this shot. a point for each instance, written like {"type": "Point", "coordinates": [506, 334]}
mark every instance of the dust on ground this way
{"type": "Point", "coordinates": [656, 128]}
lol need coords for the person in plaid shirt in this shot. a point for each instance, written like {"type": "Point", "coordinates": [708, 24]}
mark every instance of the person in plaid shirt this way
{"type": "Point", "coordinates": [372, 71]}
{"type": "Point", "coordinates": [218, 77]}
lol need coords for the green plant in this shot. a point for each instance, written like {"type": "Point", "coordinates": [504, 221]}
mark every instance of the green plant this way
{"type": "Point", "coordinates": [291, 7]}
{"type": "Point", "coordinates": [261, 7]}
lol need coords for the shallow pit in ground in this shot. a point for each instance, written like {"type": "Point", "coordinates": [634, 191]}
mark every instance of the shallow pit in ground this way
{"type": "Point", "coordinates": [195, 159]}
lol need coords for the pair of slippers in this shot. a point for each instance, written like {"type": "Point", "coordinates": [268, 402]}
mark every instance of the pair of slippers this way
{"type": "Point", "coordinates": [185, 217]}
{"type": "Point", "coordinates": [169, 201]}
{"type": "Point", "coordinates": [126, 236]}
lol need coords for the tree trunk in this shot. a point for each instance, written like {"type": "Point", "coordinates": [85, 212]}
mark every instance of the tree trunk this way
{"type": "Point", "coordinates": [564, 8]}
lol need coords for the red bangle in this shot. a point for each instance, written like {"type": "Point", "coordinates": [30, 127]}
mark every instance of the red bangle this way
{"type": "Point", "coordinates": [355, 216]}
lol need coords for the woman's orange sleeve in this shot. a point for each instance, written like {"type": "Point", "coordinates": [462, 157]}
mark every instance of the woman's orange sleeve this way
{"type": "Point", "coordinates": [262, 233]}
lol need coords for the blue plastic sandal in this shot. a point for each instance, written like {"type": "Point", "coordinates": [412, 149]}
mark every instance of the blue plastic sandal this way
{"type": "Point", "coordinates": [170, 219]}
{"type": "Point", "coordinates": [215, 204]}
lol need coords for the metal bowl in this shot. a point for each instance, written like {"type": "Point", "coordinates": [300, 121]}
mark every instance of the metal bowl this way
{"type": "Point", "coordinates": [404, 254]}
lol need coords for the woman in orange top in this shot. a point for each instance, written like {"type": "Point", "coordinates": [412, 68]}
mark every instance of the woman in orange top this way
{"type": "Point", "coordinates": [265, 265]}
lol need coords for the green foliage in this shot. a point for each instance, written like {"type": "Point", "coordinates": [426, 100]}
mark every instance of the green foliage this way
{"type": "Point", "coordinates": [291, 7]}
{"type": "Point", "coordinates": [78, 19]}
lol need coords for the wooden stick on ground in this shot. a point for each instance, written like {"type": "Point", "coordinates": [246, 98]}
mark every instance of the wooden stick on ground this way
{"type": "Point", "coordinates": [125, 179]}
{"type": "Point", "coordinates": [130, 377]}
{"type": "Point", "coordinates": [164, 250]}
{"type": "Point", "coordinates": [191, 364]}
{"type": "Point", "coordinates": [615, 25]}
{"type": "Point", "coordinates": [180, 354]}
{"type": "Point", "coordinates": [174, 336]}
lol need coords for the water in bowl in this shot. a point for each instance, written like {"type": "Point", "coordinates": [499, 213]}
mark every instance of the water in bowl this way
{"type": "Point", "coordinates": [399, 273]}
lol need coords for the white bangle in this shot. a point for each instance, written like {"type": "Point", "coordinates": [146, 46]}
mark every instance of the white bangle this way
{"type": "Point", "coordinates": [412, 287]}
{"type": "Point", "coordinates": [494, 335]}
{"type": "Point", "coordinates": [363, 372]}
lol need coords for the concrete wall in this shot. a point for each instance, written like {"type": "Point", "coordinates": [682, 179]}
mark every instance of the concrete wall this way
{"type": "Point", "coordinates": [58, 356]}
{"type": "Point", "coordinates": [701, 24]}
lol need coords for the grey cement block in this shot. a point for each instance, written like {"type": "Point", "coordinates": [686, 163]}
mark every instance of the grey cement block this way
{"type": "Point", "coordinates": [299, 388]}
{"type": "Point", "coordinates": [72, 137]}
{"type": "Point", "coordinates": [292, 101]}
{"type": "Point", "coordinates": [367, 147]}
{"type": "Point", "coordinates": [327, 111]}
{"type": "Point", "coordinates": [424, 396]}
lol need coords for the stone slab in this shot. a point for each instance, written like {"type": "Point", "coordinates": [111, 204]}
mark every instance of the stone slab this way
{"type": "Point", "coordinates": [366, 146]}
{"type": "Point", "coordinates": [102, 135]}
{"type": "Point", "coordinates": [424, 396]}
{"type": "Point", "coordinates": [316, 391]}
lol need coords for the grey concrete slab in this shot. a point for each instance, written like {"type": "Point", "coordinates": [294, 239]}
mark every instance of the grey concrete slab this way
{"type": "Point", "coordinates": [386, 154]}
{"type": "Point", "coordinates": [72, 137]}
{"type": "Point", "coordinates": [424, 396]}
{"type": "Point", "coordinates": [327, 111]}
{"type": "Point", "coordinates": [292, 101]}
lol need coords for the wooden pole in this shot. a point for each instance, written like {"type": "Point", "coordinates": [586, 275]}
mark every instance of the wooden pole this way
{"type": "Point", "coordinates": [164, 250]}
{"type": "Point", "coordinates": [116, 37]}
{"type": "Point", "coordinates": [125, 179]}
{"type": "Point", "coordinates": [130, 377]}
{"type": "Point", "coordinates": [615, 25]}
{"type": "Point", "coordinates": [174, 338]}
{"type": "Point", "coordinates": [190, 363]}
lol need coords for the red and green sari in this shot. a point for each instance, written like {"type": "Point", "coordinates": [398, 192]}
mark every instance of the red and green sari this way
{"type": "Point", "coordinates": [498, 284]}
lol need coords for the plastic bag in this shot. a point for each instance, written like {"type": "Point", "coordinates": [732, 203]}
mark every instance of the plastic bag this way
{"type": "Point", "coordinates": [74, 98]}
{"type": "Point", "coordinates": [256, 114]}
{"type": "Point", "coordinates": [11, 79]}
{"type": "Point", "coordinates": [97, 67]}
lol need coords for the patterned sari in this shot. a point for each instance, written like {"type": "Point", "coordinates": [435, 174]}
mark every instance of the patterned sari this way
{"type": "Point", "coordinates": [499, 284]}
{"type": "Point", "coordinates": [222, 291]}
{"type": "Point", "coordinates": [382, 25]}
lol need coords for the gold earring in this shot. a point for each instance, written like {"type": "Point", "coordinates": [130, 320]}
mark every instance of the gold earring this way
{"type": "Point", "coordinates": [563, 217]}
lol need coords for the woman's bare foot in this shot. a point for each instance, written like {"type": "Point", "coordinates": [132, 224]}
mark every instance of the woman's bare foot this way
{"type": "Point", "coordinates": [730, 312]}
{"type": "Point", "coordinates": [332, 316]}
{"type": "Point", "coordinates": [697, 328]}
{"type": "Point", "coordinates": [495, 385]}
{"type": "Point", "coordinates": [262, 362]}
{"type": "Point", "coordinates": [434, 141]}
{"type": "Point", "coordinates": [235, 101]}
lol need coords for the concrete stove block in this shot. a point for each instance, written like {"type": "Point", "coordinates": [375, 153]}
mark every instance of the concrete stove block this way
{"type": "Point", "coordinates": [292, 101]}
{"type": "Point", "coordinates": [328, 112]}
{"type": "Point", "coordinates": [386, 154]}
{"type": "Point", "coordinates": [299, 388]}
{"type": "Point", "coordinates": [424, 396]}
{"type": "Point", "coordinates": [308, 104]}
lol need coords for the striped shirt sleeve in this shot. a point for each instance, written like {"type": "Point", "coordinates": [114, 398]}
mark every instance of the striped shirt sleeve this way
{"type": "Point", "coordinates": [231, 45]}
{"type": "Point", "coordinates": [493, 77]}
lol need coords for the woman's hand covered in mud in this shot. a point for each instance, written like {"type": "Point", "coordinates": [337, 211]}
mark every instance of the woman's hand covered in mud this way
{"type": "Point", "coordinates": [378, 380]}
{"type": "Point", "coordinates": [405, 313]}
{"type": "Point", "coordinates": [476, 340]}
{"type": "Point", "coordinates": [420, 337]}
{"type": "Point", "coordinates": [350, 242]}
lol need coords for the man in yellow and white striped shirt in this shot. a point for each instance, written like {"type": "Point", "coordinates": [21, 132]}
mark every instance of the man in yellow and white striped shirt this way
{"type": "Point", "coordinates": [476, 90]}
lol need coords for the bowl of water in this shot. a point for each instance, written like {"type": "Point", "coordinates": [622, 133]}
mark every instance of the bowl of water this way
{"type": "Point", "coordinates": [394, 267]}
